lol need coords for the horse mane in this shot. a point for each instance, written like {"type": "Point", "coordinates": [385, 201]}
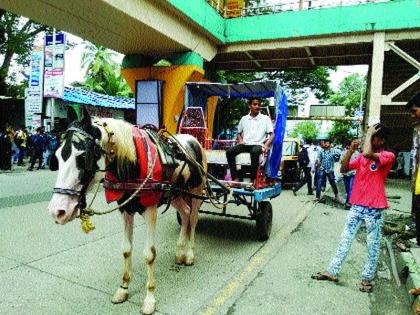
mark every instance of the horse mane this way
{"type": "Point", "coordinates": [123, 147]}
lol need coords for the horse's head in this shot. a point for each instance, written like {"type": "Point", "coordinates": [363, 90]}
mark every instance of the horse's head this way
{"type": "Point", "coordinates": [78, 158]}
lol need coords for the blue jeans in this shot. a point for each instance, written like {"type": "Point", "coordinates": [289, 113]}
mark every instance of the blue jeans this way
{"type": "Point", "coordinates": [373, 219]}
{"type": "Point", "coordinates": [46, 158]}
{"type": "Point", "coordinates": [316, 175]}
{"type": "Point", "coordinates": [348, 184]}
{"type": "Point", "coordinates": [322, 175]}
{"type": "Point", "coordinates": [21, 155]}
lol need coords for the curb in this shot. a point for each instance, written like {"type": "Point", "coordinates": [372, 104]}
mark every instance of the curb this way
{"type": "Point", "coordinates": [408, 263]}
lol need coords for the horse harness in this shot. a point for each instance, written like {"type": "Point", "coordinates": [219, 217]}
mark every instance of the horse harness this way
{"type": "Point", "coordinates": [167, 152]}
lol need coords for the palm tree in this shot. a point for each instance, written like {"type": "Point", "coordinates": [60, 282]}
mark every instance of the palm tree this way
{"type": "Point", "coordinates": [102, 72]}
{"type": "Point", "coordinates": [96, 58]}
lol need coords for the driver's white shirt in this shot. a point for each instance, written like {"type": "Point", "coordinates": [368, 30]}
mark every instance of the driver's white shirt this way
{"type": "Point", "coordinates": [255, 129]}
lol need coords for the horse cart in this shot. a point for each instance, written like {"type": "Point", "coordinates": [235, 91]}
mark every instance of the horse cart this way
{"type": "Point", "coordinates": [256, 195]}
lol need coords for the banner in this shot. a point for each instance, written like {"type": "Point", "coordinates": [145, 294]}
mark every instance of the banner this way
{"type": "Point", "coordinates": [54, 65]}
{"type": "Point", "coordinates": [34, 93]}
{"type": "Point", "coordinates": [234, 8]}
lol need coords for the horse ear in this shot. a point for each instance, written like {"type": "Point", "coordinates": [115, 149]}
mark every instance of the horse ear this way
{"type": "Point", "coordinates": [86, 121]}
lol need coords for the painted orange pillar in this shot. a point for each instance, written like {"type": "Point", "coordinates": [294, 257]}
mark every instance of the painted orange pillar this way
{"type": "Point", "coordinates": [174, 78]}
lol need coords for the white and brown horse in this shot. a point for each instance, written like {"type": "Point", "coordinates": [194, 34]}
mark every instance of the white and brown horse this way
{"type": "Point", "coordinates": [87, 145]}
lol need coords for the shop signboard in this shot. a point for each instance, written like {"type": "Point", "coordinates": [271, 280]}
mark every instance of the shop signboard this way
{"type": "Point", "coordinates": [54, 65]}
{"type": "Point", "coordinates": [234, 8]}
{"type": "Point", "coordinates": [34, 93]}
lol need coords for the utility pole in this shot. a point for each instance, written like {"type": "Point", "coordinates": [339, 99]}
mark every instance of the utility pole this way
{"type": "Point", "coordinates": [52, 99]}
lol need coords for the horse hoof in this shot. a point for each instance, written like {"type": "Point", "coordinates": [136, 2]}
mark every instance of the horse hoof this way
{"type": "Point", "coordinates": [180, 260]}
{"type": "Point", "coordinates": [120, 296]}
{"type": "Point", "coordinates": [148, 307]}
{"type": "Point", "coordinates": [189, 261]}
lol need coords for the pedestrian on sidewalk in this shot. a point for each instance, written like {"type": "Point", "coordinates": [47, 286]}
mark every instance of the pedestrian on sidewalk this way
{"type": "Point", "coordinates": [304, 165]}
{"type": "Point", "coordinates": [348, 177]}
{"type": "Point", "coordinates": [20, 139]}
{"type": "Point", "coordinates": [51, 145]}
{"type": "Point", "coordinates": [368, 201]}
{"type": "Point", "coordinates": [325, 162]}
{"type": "Point", "coordinates": [38, 141]}
{"type": "Point", "coordinates": [413, 106]}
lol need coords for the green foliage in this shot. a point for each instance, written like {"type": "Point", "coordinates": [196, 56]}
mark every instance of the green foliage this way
{"type": "Point", "coordinates": [350, 95]}
{"type": "Point", "coordinates": [296, 82]}
{"type": "Point", "coordinates": [17, 35]}
{"type": "Point", "coordinates": [342, 132]}
{"type": "Point", "coordinates": [102, 72]}
{"type": "Point", "coordinates": [305, 130]}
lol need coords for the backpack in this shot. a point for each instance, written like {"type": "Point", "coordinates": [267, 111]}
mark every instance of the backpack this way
{"type": "Point", "coordinates": [52, 142]}
{"type": "Point", "coordinates": [303, 158]}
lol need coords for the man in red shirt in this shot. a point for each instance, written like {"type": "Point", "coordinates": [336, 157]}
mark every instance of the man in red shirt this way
{"type": "Point", "coordinates": [368, 202]}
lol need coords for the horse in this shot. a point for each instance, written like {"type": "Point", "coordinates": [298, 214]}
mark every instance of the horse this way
{"type": "Point", "coordinates": [94, 142]}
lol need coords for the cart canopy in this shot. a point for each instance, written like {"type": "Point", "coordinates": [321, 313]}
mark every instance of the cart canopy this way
{"type": "Point", "coordinates": [262, 89]}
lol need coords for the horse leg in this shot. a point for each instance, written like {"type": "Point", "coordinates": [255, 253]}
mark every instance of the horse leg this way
{"type": "Point", "coordinates": [193, 219]}
{"type": "Point", "coordinates": [184, 211]}
{"type": "Point", "coordinates": [150, 216]}
{"type": "Point", "coordinates": [121, 295]}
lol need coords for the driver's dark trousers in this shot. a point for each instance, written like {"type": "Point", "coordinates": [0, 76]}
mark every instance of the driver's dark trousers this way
{"type": "Point", "coordinates": [231, 153]}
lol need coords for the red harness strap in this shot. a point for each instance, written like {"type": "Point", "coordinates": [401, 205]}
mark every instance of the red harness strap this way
{"type": "Point", "coordinates": [146, 154]}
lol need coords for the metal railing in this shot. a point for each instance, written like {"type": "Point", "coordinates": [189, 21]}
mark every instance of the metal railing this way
{"type": "Point", "coordinates": [283, 6]}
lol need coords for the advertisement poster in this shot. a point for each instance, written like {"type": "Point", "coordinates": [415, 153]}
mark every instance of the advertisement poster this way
{"type": "Point", "coordinates": [54, 65]}
{"type": "Point", "coordinates": [234, 8]}
{"type": "Point", "coordinates": [34, 93]}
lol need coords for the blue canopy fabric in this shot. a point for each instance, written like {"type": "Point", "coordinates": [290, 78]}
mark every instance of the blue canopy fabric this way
{"type": "Point", "coordinates": [261, 89]}
{"type": "Point", "coordinates": [197, 94]}
{"type": "Point", "coordinates": [274, 160]}
{"type": "Point", "coordinates": [80, 96]}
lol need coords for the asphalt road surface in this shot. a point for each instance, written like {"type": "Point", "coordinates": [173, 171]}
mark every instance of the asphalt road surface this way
{"type": "Point", "coordinates": [50, 269]}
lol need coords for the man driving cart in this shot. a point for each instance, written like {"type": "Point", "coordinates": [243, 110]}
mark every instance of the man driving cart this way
{"type": "Point", "coordinates": [255, 135]}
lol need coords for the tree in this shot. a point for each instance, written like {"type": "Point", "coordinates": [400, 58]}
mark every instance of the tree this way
{"type": "Point", "coordinates": [350, 95]}
{"type": "Point", "coordinates": [17, 35]}
{"type": "Point", "coordinates": [297, 83]}
{"type": "Point", "coordinates": [102, 72]}
{"type": "Point", "coordinates": [306, 130]}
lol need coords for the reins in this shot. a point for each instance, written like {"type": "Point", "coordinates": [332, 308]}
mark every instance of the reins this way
{"type": "Point", "coordinates": [87, 212]}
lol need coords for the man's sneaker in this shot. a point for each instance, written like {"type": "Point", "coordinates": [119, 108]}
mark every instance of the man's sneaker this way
{"type": "Point", "coordinates": [347, 206]}
{"type": "Point", "coordinates": [294, 192]}
{"type": "Point", "coordinates": [310, 193]}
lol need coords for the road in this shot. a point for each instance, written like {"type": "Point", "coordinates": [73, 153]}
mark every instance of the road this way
{"type": "Point", "coordinates": [50, 269]}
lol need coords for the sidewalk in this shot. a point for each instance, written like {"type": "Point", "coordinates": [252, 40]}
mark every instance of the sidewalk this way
{"type": "Point", "coordinates": [309, 249]}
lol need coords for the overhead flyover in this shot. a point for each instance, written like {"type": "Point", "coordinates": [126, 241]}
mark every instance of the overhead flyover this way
{"type": "Point", "coordinates": [382, 34]}
{"type": "Point", "coordinates": [148, 27]}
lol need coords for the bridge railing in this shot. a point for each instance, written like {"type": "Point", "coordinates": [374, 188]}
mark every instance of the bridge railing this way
{"type": "Point", "coordinates": [234, 9]}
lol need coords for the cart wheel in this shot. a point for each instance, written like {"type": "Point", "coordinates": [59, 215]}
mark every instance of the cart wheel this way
{"type": "Point", "coordinates": [264, 220]}
{"type": "Point", "coordinates": [178, 218]}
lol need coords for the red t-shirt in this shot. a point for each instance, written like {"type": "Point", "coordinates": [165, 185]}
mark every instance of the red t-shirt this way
{"type": "Point", "coordinates": [369, 183]}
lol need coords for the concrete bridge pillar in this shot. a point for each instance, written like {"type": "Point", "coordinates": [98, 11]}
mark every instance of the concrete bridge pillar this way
{"type": "Point", "coordinates": [373, 108]}
{"type": "Point", "coordinates": [185, 67]}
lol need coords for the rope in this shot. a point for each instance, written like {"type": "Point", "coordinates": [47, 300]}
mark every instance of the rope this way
{"type": "Point", "coordinates": [87, 212]}
{"type": "Point", "coordinates": [209, 192]}
{"type": "Point", "coordinates": [87, 225]}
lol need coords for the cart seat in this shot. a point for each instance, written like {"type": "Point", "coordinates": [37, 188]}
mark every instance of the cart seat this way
{"type": "Point", "coordinates": [219, 157]}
